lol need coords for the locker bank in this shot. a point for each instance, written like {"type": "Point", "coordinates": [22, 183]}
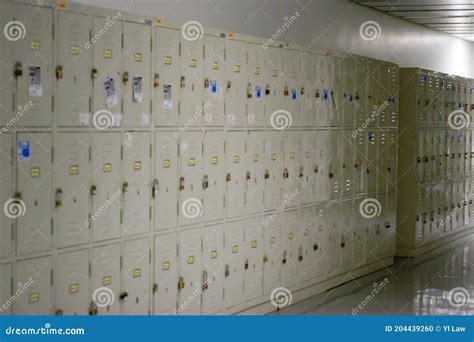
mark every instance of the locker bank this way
{"type": "Point", "coordinates": [238, 157]}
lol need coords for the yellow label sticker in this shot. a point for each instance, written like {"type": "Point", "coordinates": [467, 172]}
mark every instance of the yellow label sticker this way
{"type": "Point", "coordinates": [235, 249]}
{"type": "Point", "coordinates": [34, 297]}
{"type": "Point", "coordinates": [35, 172]}
{"type": "Point", "coordinates": [306, 232]}
{"type": "Point", "coordinates": [290, 236]}
{"type": "Point", "coordinates": [275, 73]}
{"type": "Point", "coordinates": [213, 254]}
{"type": "Point", "coordinates": [107, 280]}
{"type": "Point", "coordinates": [107, 53]}
{"type": "Point", "coordinates": [214, 160]}
{"type": "Point", "coordinates": [257, 71]}
{"type": "Point", "coordinates": [236, 159]}
{"type": "Point", "coordinates": [166, 266]}
{"type": "Point", "coordinates": [137, 57]}
{"type": "Point", "coordinates": [272, 240]}
{"type": "Point", "coordinates": [292, 74]}
{"type": "Point", "coordinates": [190, 259]}
{"type": "Point", "coordinates": [137, 166]}
{"type": "Point", "coordinates": [166, 163]}
{"type": "Point", "coordinates": [274, 156]}
{"type": "Point", "coordinates": [35, 45]}
{"type": "Point", "coordinates": [255, 157]}
{"type": "Point", "coordinates": [253, 244]}
{"type": "Point", "coordinates": [73, 288]}
{"type": "Point", "coordinates": [75, 50]}
{"type": "Point", "coordinates": [215, 65]}
{"type": "Point", "coordinates": [192, 63]}
{"type": "Point", "coordinates": [306, 154]}
{"type": "Point", "coordinates": [191, 162]}
{"type": "Point", "coordinates": [137, 273]}
{"type": "Point", "coordinates": [73, 169]}
{"type": "Point", "coordinates": [107, 167]}
{"type": "Point", "coordinates": [237, 68]}
{"type": "Point", "coordinates": [292, 155]}
{"type": "Point", "coordinates": [167, 60]}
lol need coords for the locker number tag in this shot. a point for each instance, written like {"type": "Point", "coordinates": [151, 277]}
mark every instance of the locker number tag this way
{"type": "Point", "coordinates": [74, 50]}
{"type": "Point", "coordinates": [137, 166]}
{"type": "Point", "coordinates": [236, 159]}
{"type": "Point", "coordinates": [191, 162]}
{"type": "Point", "coordinates": [190, 259]}
{"type": "Point", "coordinates": [166, 266]}
{"type": "Point", "coordinates": [275, 73]}
{"type": "Point", "coordinates": [74, 288]}
{"type": "Point", "coordinates": [254, 244]}
{"type": "Point", "coordinates": [274, 156]}
{"type": "Point", "coordinates": [166, 163]}
{"type": "Point", "coordinates": [34, 297]}
{"type": "Point", "coordinates": [257, 71]}
{"type": "Point", "coordinates": [107, 53]}
{"type": "Point", "coordinates": [213, 254]}
{"type": "Point", "coordinates": [235, 249]}
{"type": "Point", "coordinates": [237, 68]}
{"type": "Point", "coordinates": [255, 157]}
{"type": "Point", "coordinates": [23, 150]}
{"type": "Point", "coordinates": [272, 240]}
{"type": "Point", "coordinates": [214, 160]}
{"type": "Point", "coordinates": [292, 155]}
{"type": "Point", "coordinates": [167, 60]}
{"type": "Point", "coordinates": [35, 172]}
{"type": "Point", "coordinates": [74, 169]}
{"type": "Point", "coordinates": [137, 57]}
{"type": "Point", "coordinates": [107, 280]}
{"type": "Point", "coordinates": [192, 63]}
{"type": "Point", "coordinates": [137, 272]}
{"type": "Point", "coordinates": [107, 168]}
{"type": "Point", "coordinates": [35, 45]}
{"type": "Point", "coordinates": [215, 65]}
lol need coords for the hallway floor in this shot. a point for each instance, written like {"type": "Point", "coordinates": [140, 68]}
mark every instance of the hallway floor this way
{"type": "Point", "coordinates": [437, 283]}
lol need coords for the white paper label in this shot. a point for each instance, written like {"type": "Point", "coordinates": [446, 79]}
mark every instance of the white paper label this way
{"type": "Point", "coordinates": [117, 119]}
{"type": "Point", "coordinates": [137, 89]}
{"type": "Point", "coordinates": [111, 98]}
{"type": "Point", "coordinates": [34, 81]}
{"type": "Point", "coordinates": [167, 97]}
{"type": "Point", "coordinates": [84, 119]}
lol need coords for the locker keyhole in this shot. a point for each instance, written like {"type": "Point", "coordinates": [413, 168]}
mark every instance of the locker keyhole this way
{"type": "Point", "coordinates": [36, 202]}
{"type": "Point", "coordinates": [74, 199]}
{"type": "Point", "coordinates": [192, 187]}
{"type": "Point", "coordinates": [75, 79]}
{"type": "Point", "coordinates": [136, 300]}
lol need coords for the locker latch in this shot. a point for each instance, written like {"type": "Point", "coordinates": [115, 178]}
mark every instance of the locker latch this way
{"type": "Point", "coordinates": [286, 91]}
{"type": "Point", "coordinates": [155, 190]}
{"type": "Point", "coordinates": [246, 264]}
{"type": "Point", "coordinates": [331, 175]}
{"type": "Point", "coordinates": [206, 83]}
{"type": "Point", "coordinates": [156, 81]}
{"type": "Point", "coordinates": [125, 187]}
{"type": "Point", "coordinates": [155, 288]}
{"type": "Point", "coordinates": [18, 70]}
{"type": "Point", "coordinates": [316, 169]}
{"type": "Point", "coordinates": [205, 284]}
{"type": "Point", "coordinates": [247, 177]}
{"type": "Point", "coordinates": [205, 182]}
{"type": "Point", "coordinates": [182, 82]}
{"type": "Point", "coordinates": [229, 84]}
{"type": "Point", "coordinates": [267, 90]}
{"type": "Point", "coordinates": [226, 271]}
{"type": "Point", "coordinates": [317, 94]}
{"type": "Point", "coordinates": [58, 312]}
{"type": "Point", "coordinates": [283, 261]}
{"type": "Point", "coordinates": [59, 198]}
{"type": "Point", "coordinates": [249, 91]}
{"type": "Point", "coordinates": [315, 247]}
{"type": "Point", "coordinates": [387, 225]}
{"type": "Point", "coordinates": [181, 183]}
{"type": "Point", "coordinates": [285, 174]}
{"type": "Point", "coordinates": [93, 190]}
{"type": "Point", "coordinates": [265, 259]}
{"type": "Point", "coordinates": [228, 178]}
{"type": "Point", "coordinates": [302, 91]}
{"type": "Point", "coordinates": [17, 195]}
{"type": "Point", "coordinates": [93, 309]}
{"type": "Point", "coordinates": [123, 295]}
{"type": "Point", "coordinates": [94, 74]}
{"type": "Point", "coordinates": [357, 96]}
{"type": "Point", "coordinates": [267, 174]}
{"type": "Point", "coordinates": [300, 253]}
{"type": "Point", "coordinates": [301, 172]}
{"type": "Point", "coordinates": [59, 72]}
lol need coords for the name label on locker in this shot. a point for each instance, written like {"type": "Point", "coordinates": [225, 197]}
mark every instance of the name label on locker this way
{"type": "Point", "coordinates": [107, 280]}
{"type": "Point", "coordinates": [272, 240]}
{"type": "Point", "coordinates": [74, 169]}
{"type": "Point", "coordinates": [255, 157]}
{"type": "Point", "coordinates": [191, 162]}
{"type": "Point", "coordinates": [236, 159]}
{"type": "Point", "coordinates": [306, 232]}
{"type": "Point", "coordinates": [257, 71]}
{"type": "Point", "coordinates": [35, 45]}
{"type": "Point", "coordinates": [108, 53]}
{"type": "Point", "coordinates": [215, 65]}
{"type": "Point", "coordinates": [74, 50]}
{"type": "Point", "coordinates": [167, 60]}
{"type": "Point", "coordinates": [253, 244]}
{"type": "Point", "coordinates": [137, 166]}
{"type": "Point", "coordinates": [274, 156]}
{"type": "Point", "coordinates": [275, 73]}
{"type": "Point", "coordinates": [137, 273]}
{"type": "Point", "coordinates": [237, 68]}
{"type": "Point", "coordinates": [73, 288]}
{"type": "Point", "coordinates": [290, 236]}
{"type": "Point", "coordinates": [137, 57]}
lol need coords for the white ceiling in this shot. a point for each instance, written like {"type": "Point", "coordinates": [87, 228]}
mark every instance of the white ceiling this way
{"type": "Point", "coordinates": [455, 17]}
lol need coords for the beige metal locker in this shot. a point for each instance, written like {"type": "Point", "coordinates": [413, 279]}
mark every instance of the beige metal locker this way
{"type": "Point", "coordinates": [347, 236]}
{"type": "Point", "coordinates": [274, 81]}
{"type": "Point", "coordinates": [6, 193]}
{"type": "Point", "coordinates": [234, 262]}
{"type": "Point", "coordinates": [293, 169]}
{"type": "Point", "coordinates": [256, 86]}
{"type": "Point", "coordinates": [165, 290]}
{"type": "Point", "coordinates": [308, 99]}
{"type": "Point", "coordinates": [236, 172]}
{"type": "Point", "coordinates": [71, 189]}
{"type": "Point", "coordinates": [274, 167]}
{"type": "Point", "coordinates": [322, 92]}
{"type": "Point", "coordinates": [382, 157]}
{"type": "Point", "coordinates": [361, 92]}
{"type": "Point", "coordinates": [236, 82]}
{"type": "Point", "coordinates": [253, 258]}
{"type": "Point", "coordinates": [348, 84]}
{"type": "Point", "coordinates": [308, 244]}
{"type": "Point", "coordinates": [320, 243]}
{"type": "Point", "coordinates": [289, 250]}
{"type": "Point", "coordinates": [334, 238]}
{"type": "Point", "coordinates": [348, 162]}
{"type": "Point", "coordinates": [335, 96]}
{"type": "Point", "coordinates": [271, 235]}
{"type": "Point", "coordinates": [335, 163]}
{"type": "Point", "coordinates": [213, 182]}
{"type": "Point", "coordinates": [360, 162]}
{"type": "Point", "coordinates": [5, 286]}
{"type": "Point", "coordinates": [292, 84]}
{"type": "Point", "coordinates": [214, 81]}
{"type": "Point", "coordinates": [255, 177]}
{"type": "Point", "coordinates": [34, 168]}
{"type": "Point", "coordinates": [213, 259]}
{"type": "Point", "coordinates": [6, 56]}
{"type": "Point", "coordinates": [359, 232]}
{"type": "Point", "coordinates": [321, 168]}
{"type": "Point", "coordinates": [373, 139]}
{"type": "Point", "coordinates": [307, 150]}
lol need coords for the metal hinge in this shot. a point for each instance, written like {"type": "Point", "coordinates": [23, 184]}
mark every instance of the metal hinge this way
{"type": "Point", "coordinates": [149, 210]}
{"type": "Point", "coordinates": [121, 216]}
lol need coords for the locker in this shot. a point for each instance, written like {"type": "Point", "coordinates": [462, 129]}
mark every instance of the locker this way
{"type": "Point", "coordinates": [106, 188]}
{"type": "Point", "coordinates": [393, 75]}
{"type": "Point", "coordinates": [191, 92]}
{"type": "Point", "coordinates": [391, 160]}
{"type": "Point", "coordinates": [5, 287]}
{"type": "Point", "coordinates": [336, 107]}
{"type": "Point", "coordinates": [348, 84]}
{"type": "Point", "coordinates": [105, 275]}
{"type": "Point", "coordinates": [6, 192]}
{"type": "Point", "coordinates": [107, 68]}
{"type": "Point", "coordinates": [307, 244]}
{"type": "Point", "coordinates": [213, 182]}
{"type": "Point", "coordinates": [256, 86]}
{"type": "Point", "coordinates": [135, 277]}
{"type": "Point", "coordinates": [234, 262]}
{"type": "Point", "coordinates": [255, 172]}
{"type": "Point", "coordinates": [293, 169]}
{"type": "Point", "coordinates": [273, 169]}
{"type": "Point", "coordinates": [165, 184]}
{"type": "Point", "coordinates": [71, 189]}
{"type": "Point", "coordinates": [213, 273]}
{"type": "Point", "coordinates": [438, 103]}
{"type": "Point", "coordinates": [136, 74]}
{"type": "Point", "coordinates": [360, 164]}
{"type": "Point", "coordinates": [6, 55]}
{"type": "Point", "coordinates": [420, 160]}
{"type": "Point", "coordinates": [319, 259]}
{"type": "Point", "coordinates": [347, 235]}
{"type": "Point", "coordinates": [467, 152]}
{"type": "Point", "coordinates": [322, 166]}
{"type": "Point", "coordinates": [378, 224]}
{"type": "Point", "coordinates": [361, 93]}
{"type": "Point", "coordinates": [372, 156]}
{"type": "Point", "coordinates": [308, 151]}
{"type": "Point", "coordinates": [322, 92]}
{"type": "Point", "coordinates": [236, 82]}
{"type": "Point", "coordinates": [271, 234]}
{"type": "Point", "coordinates": [34, 189]}
{"type": "Point", "coordinates": [358, 239]}
{"type": "Point", "coordinates": [136, 184]}
{"type": "Point", "coordinates": [165, 291]}
{"type": "Point", "coordinates": [73, 70]}
{"type": "Point", "coordinates": [253, 258]}
{"type": "Point", "coordinates": [214, 84]}
{"type": "Point", "coordinates": [190, 272]}
{"type": "Point", "coordinates": [71, 283]}
{"type": "Point", "coordinates": [33, 58]}
{"type": "Point", "coordinates": [292, 84]}
{"type": "Point", "coordinates": [274, 81]}
{"type": "Point", "coordinates": [289, 249]}
{"type": "Point", "coordinates": [373, 94]}
{"type": "Point", "coordinates": [335, 163]}
{"type": "Point", "coordinates": [334, 239]}
{"type": "Point", "coordinates": [236, 172]}
{"type": "Point", "coordinates": [166, 77]}
{"type": "Point", "coordinates": [308, 100]}
{"type": "Point", "coordinates": [390, 224]}
{"type": "Point", "coordinates": [383, 96]}
{"type": "Point", "coordinates": [190, 180]}
{"type": "Point", "coordinates": [421, 99]}
{"type": "Point", "coordinates": [382, 156]}
{"type": "Point", "coordinates": [348, 162]}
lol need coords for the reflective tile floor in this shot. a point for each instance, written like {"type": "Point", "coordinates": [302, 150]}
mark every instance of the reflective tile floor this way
{"type": "Point", "coordinates": [440, 282]}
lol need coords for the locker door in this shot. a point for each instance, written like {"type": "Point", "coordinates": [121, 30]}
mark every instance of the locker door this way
{"type": "Point", "coordinates": [165, 291]}
{"type": "Point", "coordinates": [6, 192]}
{"type": "Point", "coordinates": [372, 142]}
{"type": "Point", "coordinates": [320, 244]}
{"type": "Point", "coordinates": [273, 169]}
{"type": "Point", "coordinates": [191, 82]}
{"type": "Point", "coordinates": [348, 115]}
{"type": "Point", "coordinates": [33, 57]}
{"type": "Point", "coordinates": [105, 274]}
{"type": "Point", "coordinates": [136, 74]}
{"type": "Point", "coordinates": [5, 287]}
{"type": "Point", "coordinates": [73, 70]}
{"type": "Point", "coordinates": [35, 277]}
{"type": "Point", "coordinates": [213, 180]}
{"type": "Point", "coordinates": [322, 92]}
{"type": "Point", "coordinates": [256, 86]}
{"type": "Point", "coordinates": [214, 84]}
{"type": "Point", "coordinates": [322, 166]}
{"type": "Point", "coordinates": [274, 81]}
{"type": "Point", "coordinates": [393, 102]}
{"type": "Point", "coordinates": [255, 172]}
{"type": "Point", "coordinates": [253, 262]}
{"type": "Point", "coordinates": [213, 271]}
{"type": "Point", "coordinates": [236, 78]}
{"type": "Point", "coordinates": [234, 260]}
{"type": "Point", "coordinates": [348, 162]}
{"type": "Point", "coordinates": [34, 191]}
{"type": "Point", "coordinates": [6, 56]}
{"type": "Point", "coordinates": [165, 184]}
{"type": "Point", "coordinates": [71, 189]}
{"type": "Point", "coordinates": [373, 91]}
{"type": "Point", "coordinates": [71, 279]}
{"type": "Point", "coordinates": [190, 181]}
{"type": "Point", "coordinates": [334, 243]}
{"type": "Point", "coordinates": [347, 236]}
{"type": "Point", "coordinates": [190, 273]}
{"type": "Point", "coordinates": [271, 234]}
{"type": "Point", "coordinates": [308, 158]}
{"type": "Point", "coordinates": [335, 111]}
{"type": "Point", "coordinates": [381, 168]}
{"type": "Point", "coordinates": [335, 163]}
{"type": "Point", "coordinates": [166, 79]}
{"type": "Point", "coordinates": [428, 166]}
{"type": "Point", "coordinates": [292, 84]}
{"type": "Point", "coordinates": [106, 188]}
{"type": "Point", "coordinates": [384, 95]}
{"type": "Point", "coordinates": [307, 244]}
{"type": "Point", "coordinates": [390, 224]}
{"type": "Point", "coordinates": [420, 160]}
{"type": "Point", "coordinates": [235, 174]}
{"type": "Point", "coordinates": [391, 157]}
{"type": "Point", "coordinates": [308, 100]}
{"type": "Point", "coordinates": [136, 183]}
{"type": "Point", "coordinates": [289, 267]}
{"type": "Point", "coordinates": [360, 164]}
{"type": "Point", "coordinates": [293, 171]}
{"type": "Point", "coordinates": [135, 278]}
{"type": "Point", "coordinates": [360, 94]}
{"type": "Point", "coordinates": [107, 69]}
{"type": "Point", "coordinates": [358, 241]}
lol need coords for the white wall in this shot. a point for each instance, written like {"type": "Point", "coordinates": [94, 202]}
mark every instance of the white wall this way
{"type": "Point", "coordinates": [325, 24]}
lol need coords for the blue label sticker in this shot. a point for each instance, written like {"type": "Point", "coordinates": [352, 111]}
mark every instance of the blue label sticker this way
{"type": "Point", "coordinates": [325, 95]}
{"type": "Point", "coordinates": [258, 92]}
{"type": "Point", "coordinates": [293, 94]}
{"type": "Point", "coordinates": [24, 150]}
{"type": "Point", "coordinates": [392, 99]}
{"type": "Point", "coordinates": [371, 136]}
{"type": "Point", "coordinates": [213, 87]}
{"type": "Point", "coordinates": [350, 96]}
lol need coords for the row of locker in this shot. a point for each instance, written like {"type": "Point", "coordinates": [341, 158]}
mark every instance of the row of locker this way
{"type": "Point", "coordinates": [204, 270]}
{"type": "Point", "coordinates": [100, 186]}
{"type": "Point", "coordinates": [151, 75]}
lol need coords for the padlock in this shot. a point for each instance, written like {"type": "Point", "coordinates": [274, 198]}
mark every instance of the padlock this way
{"type": "Point", "coordinates": [267, 90]}
{"type": "Point", "coordinates": [301, 172]}
{"type": "Point", "coordinates": [125, 77]}
{"type": "Point", "coordinates": [58, 201]}
{"type": "Point", "coordinates": [155, 288]}
{"type": "Point", "coordinates": [228, 178]}
{"type": "Point", "coordinates": [156, 82]}
{"type": "Point", "coordinates": [180, 283]}
{"type": "Point", "coordinates": [18, 71]}
{"type": "Point", "coordinates": [205, 182]}
{"type": "Point", "coordinates": [285, 174]}
{"type": "Point", "coordinates": [247, 177]}
{"type": "Point", "coordinates": [249, 90]}
{"type": "Point", "coordinates": [59, 72]}
{"type": "Point", "coordinates": [316, 169]}
{"type": "Point", "coordinates": [155, 190]}
{"type": "Point", "coordinates": [181, 183]}
{"type": "Point", "coordinates": [182, 82]}
{"type": "Point", "coordinates": [123, 295]}
{"type": "Point", "coordinates": [283, 261]}
{"type": "Point", "coordinates": [206, 83]}
{"type": "Point", "coordinates": [317, 94]}
{"type": "Point", "coordinates": [267, 174]}
{"type": "Point", "coordinates": [94, 73]}
{"type": "Point", "coordinates": [286, 91]}
{"type": "Point", "coordinates": [93, 309]}
{"type": "Point", "coordinates": [265, 259]}
{"type": "Point", "coordinates": [125, 187]}
{"type": "Point", "coordinates": [93, 190]}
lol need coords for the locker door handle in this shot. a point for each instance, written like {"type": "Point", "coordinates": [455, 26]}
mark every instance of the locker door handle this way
{"type": "Point", "coordinates": [125, 77]}
{"type": "Point", "coordinates": [156, 81]}
{"type": "Point", "coordinates": [267, 174]}
{"type": "Point", "coordinates": [316, 169]}
{"type": "Point", "coordinates": [283, 261]}
{"type": "Point", "coordinates": [226, 271]}
{"type": "Point", "coordinates": [58, 312]}
{"type": "Point", "coordinates": [247, 177]}
{"type": "Point", "coordinates": [123, 295]}
{"type": "Point", "coordinates": [267, 90]}
{"type": "Point", "coordinates": [317, 94]}
{"type": "Point", "coordinates": [125, 187]}
{"type": "Point", "coordinates": [93, 190]}
{"type": "Point", "coordinates": [155, 288]}
{"type": "Point", "coordinates": [285, 174]}
{"type": "Point", "coordinates": [300, 253]}
{"type": "Point", "coordinates": [302, 91]}
{"type": "Point", "coordinates": [206, 83]}
{"type": "Point", "coordinates": [93, 309]}
{"type": "Point", "coordinates": [265, 259]}
{"type": "Point", "coordinates": [205, 284]}
{"type": "Point", "coordinates": [182, 82]}
{"type": "Point", "coordinates": [181, 183]}
{"type": "Point", "coordinates": [94, 74]}
{"type": "Point", "coordinates": [17, 195]}
{"type": "Point", "coordinates": [246, 264]}
{"type": "Point", "coordinates": [228, 178]}
{"type": "Point", "coordinates": [155, 189]}
{"type": "Point", "coordinates": [229, 84]}
{"type": "Point", "coordinates": [249, 91]}
{"type": "Point", "coordinates": [59, 72]}
{"type": "Point", "coordinates": [18, 71]}
{"type": "Point", "coordinates": [315, 247]}
{"type": "Point", "coordinates": [180, 283]}
{"type": "Point", "coordinates": [286, 91]}
{"type": "Point", "coordinates": [205, 182]}
{"type": "Point", "coordinates": [59, 198]}
{"type": "Point", "coordinates": [301, 172]}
